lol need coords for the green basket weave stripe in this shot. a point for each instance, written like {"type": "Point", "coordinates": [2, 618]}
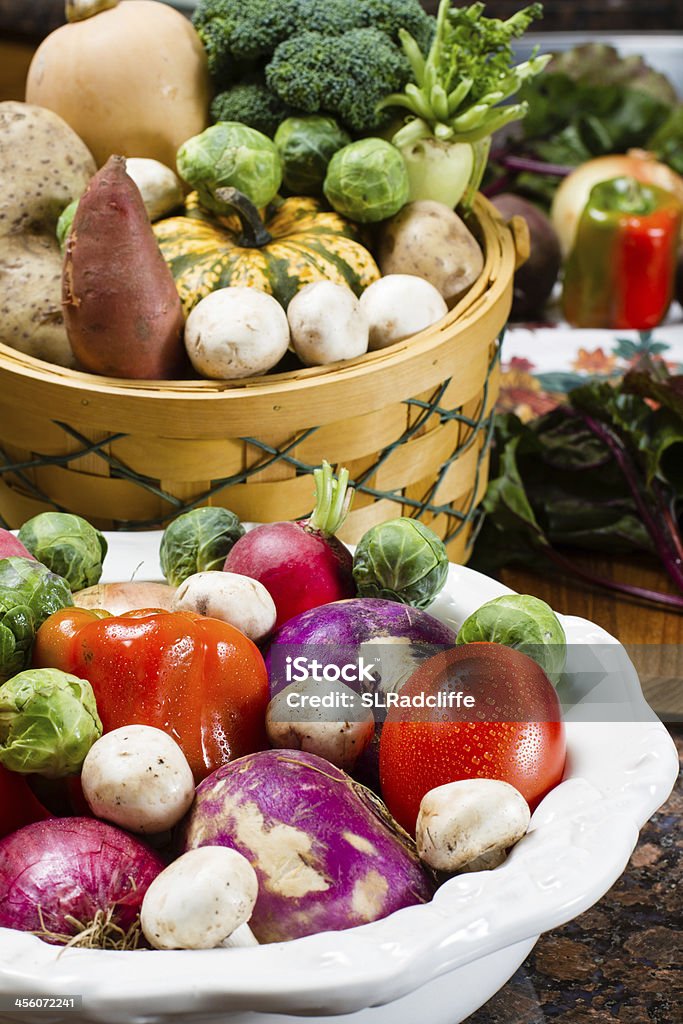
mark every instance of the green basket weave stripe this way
{"type": "Point", "coordinates": [271, 455]}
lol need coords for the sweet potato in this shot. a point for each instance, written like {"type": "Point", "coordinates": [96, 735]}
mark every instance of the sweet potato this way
{"type": "Point", "coordinates": [121, 308]}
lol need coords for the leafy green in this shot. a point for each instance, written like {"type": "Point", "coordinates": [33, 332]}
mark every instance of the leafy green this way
{"type": "Point", "coordinates": [603, 473]}
{"type": "Point", "coordinates": [589, 102]}
{"type": "Point", "coordinates": [48, 722]}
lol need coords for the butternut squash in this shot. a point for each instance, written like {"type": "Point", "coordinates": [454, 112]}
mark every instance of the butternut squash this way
{"type": "Point", "coordinates": [130, 78]}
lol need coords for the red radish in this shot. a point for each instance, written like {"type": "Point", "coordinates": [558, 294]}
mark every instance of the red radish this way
{"type": "Point", "coordinates": [302, 565]}
{"type": "Point", "coordinates": [11, 546]}
{"type": "Point", "coordinates": [75, 880]}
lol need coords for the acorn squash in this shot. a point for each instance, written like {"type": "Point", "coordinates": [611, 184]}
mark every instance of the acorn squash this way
{"type": "Point", "coordinates": [297, 243]}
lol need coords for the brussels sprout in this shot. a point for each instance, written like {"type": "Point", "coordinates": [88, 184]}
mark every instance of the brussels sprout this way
{"type": "Point", "coordinates": [230, 154]}
{"type": "Point", "coordinates": [367, 181]}
{"type": "Point", "coordinates": [48, 722]}
{"type": "Point", "coordinates": [66, 219]}
{"type": "Point", "coordinates": [198, 541]}
{"type": "Point", "coordinates": [400, 560]}
{"type": "Point", "coordinates": [306, 145]}
{"type": "Point", "coordinates": [67, 545]}
{"type": "Point", "coordinates": [523, 622]}
{"type": "Point", "coordinates": [29, 592]}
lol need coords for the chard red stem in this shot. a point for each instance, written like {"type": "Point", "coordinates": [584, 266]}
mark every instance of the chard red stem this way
{"type": "Point", "coordinates": [526, 163]}
{"type": "Point", "coordinates": [572, 569]}
{"type": "Point", "coordinates": [664, 540]}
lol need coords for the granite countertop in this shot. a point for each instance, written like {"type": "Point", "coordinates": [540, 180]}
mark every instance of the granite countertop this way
{"type": "Point", "coordinates": [621, 960]}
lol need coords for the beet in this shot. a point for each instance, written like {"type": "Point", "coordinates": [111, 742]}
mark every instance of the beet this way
{"type": "Point", "coordinates": [535, 279]}
{"type": "Point", "coordinates": [302, 564]}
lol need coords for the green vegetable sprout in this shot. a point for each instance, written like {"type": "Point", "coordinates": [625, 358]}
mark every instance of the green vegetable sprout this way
{"type": "Point", "coordinates": [401, 560]}
{"type": "Point", "coordinates": [198, 541]}
{"type": "Point", "coordinates": [523, 622]}
{"type": "Point", "coordinates": [48, 722]}
{"type": "Point", "coordinates": [68, 545]}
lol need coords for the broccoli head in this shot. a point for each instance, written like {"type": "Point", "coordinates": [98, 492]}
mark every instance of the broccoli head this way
{"type": "Point", "coordinates": [252, 103]}
{"type": "Point", "coordinates": [335, 17]}
{"type": "Point", "coordinates": [346, 75]}
{"type": "Point", "coordinates": [234, 32]}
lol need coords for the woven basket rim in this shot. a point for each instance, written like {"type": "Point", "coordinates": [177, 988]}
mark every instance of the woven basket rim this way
{"type": "Point", "coordinates": [110, 402]}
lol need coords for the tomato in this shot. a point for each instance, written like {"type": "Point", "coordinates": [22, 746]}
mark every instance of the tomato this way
{"type": "Point", "coordinates": [514, 732]}
{"type": "Point", "coordinates": [198, 679]}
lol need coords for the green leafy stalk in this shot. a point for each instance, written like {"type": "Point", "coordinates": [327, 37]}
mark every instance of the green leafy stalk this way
{"type": "Point", "coordinates": [457, 88]}
{"type": "Point", "coordinates": [333, 499]}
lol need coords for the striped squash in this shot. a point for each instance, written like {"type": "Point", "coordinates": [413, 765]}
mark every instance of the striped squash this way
{"type": "Point", "coordinates": [299, 242]}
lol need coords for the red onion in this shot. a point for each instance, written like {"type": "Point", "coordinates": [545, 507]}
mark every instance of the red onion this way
{"type": "Point", "coordinates": [77, 881]}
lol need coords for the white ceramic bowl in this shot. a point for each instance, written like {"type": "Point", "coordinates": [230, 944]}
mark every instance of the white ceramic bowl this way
{"type": "Point", "coordinates": [450, 955]}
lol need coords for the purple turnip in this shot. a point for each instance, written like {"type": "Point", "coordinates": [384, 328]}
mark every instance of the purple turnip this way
{"type": "Point", "coordinates": [392, 640]}
{"type": "Point", "coordinates": [327, 854]}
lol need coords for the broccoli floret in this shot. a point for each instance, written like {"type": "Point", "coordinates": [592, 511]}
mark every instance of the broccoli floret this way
{"type": "Point", "coordinates": [252, 103]}
{"type": "Point", "coordinates": [345, 75]}
{"type": "Point", "coordinates": [391, 15]}
{"type": "Point", "coordinates": [335, 17]}
{"type": "Point", "coordinates": [234, 31]}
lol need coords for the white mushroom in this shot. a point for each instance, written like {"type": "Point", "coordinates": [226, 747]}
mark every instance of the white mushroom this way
{"type": "Point", "coordinates": [202, 900]}
{"type": "Point", "coordinates": [326, 719]}
{"type": "Point", "coordinates": [327, 324]}
{"type": "Point", "coordinates": [236, 332]}
{"type": "Point", "coordinates": [138, 778]}
{"type": "Point", "coordinates": [243, 602]}
{"type": "Point", "coordinates": [159, 186]}
{"type": "Point", "coordinates": [470, 825]}
{"type": "Point", "coordinates": [398, 306]}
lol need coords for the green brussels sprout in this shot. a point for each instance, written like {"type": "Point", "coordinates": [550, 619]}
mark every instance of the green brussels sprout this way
{"type": "Point", "coordinates": [29, 592]}
{"type": "Point", "coordinates": [198, 541]}
{"type": "Point", "coordinates": [367, 181]}
{"type": "Point", "coordinates": [523, 622]}
{"type": "Point", "coordinates": [306, 145]}
{"type": "Point", "coordinates": [48, 722]}
{"type": "Point", "coordinates": [230, 154]}
{"type": "Point", "coordinates": [66, 219]}
{"type": "Point", "coordinates": [67, 545]}
{"type": "Point", "coordinates": [400, 560]}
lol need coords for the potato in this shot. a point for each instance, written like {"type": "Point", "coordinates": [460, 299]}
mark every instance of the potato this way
{"type": "Point", "coordinates": [31, 317]}
{"type": "Point", "coordinates": [43, 166]}
{"type": "Point", "coordinates": [428, 239]}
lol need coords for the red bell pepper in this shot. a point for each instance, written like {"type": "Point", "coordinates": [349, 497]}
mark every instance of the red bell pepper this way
{"type": "Point", "coordinates": [620, 272]}
{"type": "Point", "coordinates": [198, 679]}
{"type": "Point", "coordinates": [18, 805]}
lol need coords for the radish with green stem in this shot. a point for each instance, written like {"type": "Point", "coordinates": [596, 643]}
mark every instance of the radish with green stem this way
{"type": "Point", "coordinates": [302, 564]}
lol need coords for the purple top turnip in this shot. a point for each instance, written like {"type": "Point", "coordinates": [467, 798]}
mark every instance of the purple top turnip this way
{"type": "Point", "coordinates": [326, 851]}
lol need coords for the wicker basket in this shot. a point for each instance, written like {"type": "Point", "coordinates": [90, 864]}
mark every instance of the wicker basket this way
{"type": "Point", "coordinates": [411, 423]}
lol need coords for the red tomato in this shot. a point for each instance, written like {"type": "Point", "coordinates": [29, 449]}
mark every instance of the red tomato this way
{"type": "Point", "coordinates": [514, 732]}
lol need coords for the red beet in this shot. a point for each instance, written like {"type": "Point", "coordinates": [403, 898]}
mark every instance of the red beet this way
{"type": "Point", "coordinates": [302, 565]}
